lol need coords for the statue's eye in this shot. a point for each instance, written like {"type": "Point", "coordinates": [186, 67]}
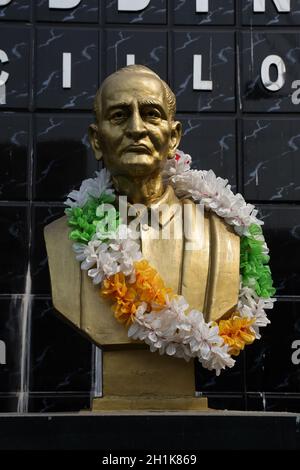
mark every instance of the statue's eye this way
{"type": "Point", "coordinates": [118, 116]}
{"type": "Point", "coordinates": [152, 114]}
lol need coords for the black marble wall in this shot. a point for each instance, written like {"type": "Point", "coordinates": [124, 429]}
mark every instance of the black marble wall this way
{"type": "Point", "coordinates": [240, 129]}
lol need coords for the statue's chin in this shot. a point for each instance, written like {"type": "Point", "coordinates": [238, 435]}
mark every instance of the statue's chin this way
{"type": "Point", "coordinates": [138, 164]}
{"type": "Point", "coordinates": [131, 158]}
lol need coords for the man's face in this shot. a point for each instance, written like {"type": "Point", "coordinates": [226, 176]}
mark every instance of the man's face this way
{"type": "Point", "coordinates": [135, 132]}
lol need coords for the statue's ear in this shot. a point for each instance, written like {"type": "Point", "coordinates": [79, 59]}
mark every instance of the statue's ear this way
{"type": "Point", "coordinates": [95, 142]}
{"type": "Point", "coordinates": [175, 138]}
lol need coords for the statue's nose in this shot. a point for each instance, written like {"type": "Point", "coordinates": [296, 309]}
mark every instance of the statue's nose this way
{"type": "Point", "coordinates": [135, 126]}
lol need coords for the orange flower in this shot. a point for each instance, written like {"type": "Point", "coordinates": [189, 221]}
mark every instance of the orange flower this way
{"type": "Point", "coordinates": [148, 287]}
{"type": "Point", "coordinates": [236, 332]}
{"type": "Point", "coordinates": [116, 288]}
{"type": "Point", "coordinates": [125, 311]}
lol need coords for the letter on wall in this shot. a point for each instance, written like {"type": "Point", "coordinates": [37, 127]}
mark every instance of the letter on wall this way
{"type": "Point", "coordinates": [2, 353]}
{"type": "Point", "coordinates": [130, 59]}
{"type": "Point", "coordinates": [202, 6]}
{"type": "Point", "coordinates": [283, 6]}
{"type": "Point", "coordinates": [132, 5]}
{"type": "Point", "coordinates": [63, 4]}
{"type": "Point", "coordinates": [265, 73]}
{"type": "Point", "coordinates": [198, 83]}
{"type": "Point", "coordinates": [3, 75]}
{"type": "Point", "coordinates": [67, 59]}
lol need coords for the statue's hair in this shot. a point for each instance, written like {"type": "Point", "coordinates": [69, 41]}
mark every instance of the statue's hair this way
{"type": "Point", "coordinates": [171, 99]}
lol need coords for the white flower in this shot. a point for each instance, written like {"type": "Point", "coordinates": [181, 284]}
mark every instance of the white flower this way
{"type": "Point", "coordinates": [208, 345]}
{"type": "Point", "coordinates": [106, 266]}
{"type": "Point", "coordinates": [96, 259]}
{"type": "Point", "coordinates": [250, 305]}
{"type": "Point", "coordinates": [219, 359]}
{"type": "Point", "coordinates": [204, 335]}
{"type": "Point", "coordinates": [102, 260]}
{"type": "Point", "coordinates": [91, 187]}
{"type": "Point", "coordinates": [125, 248]}
{"type": "Point", "coordinates": [80, 249]}
{"type": "Point", "coordinates": [173, 332]}
{"type": "Point", "coordinates": [215, 193]}
{"type": "Point", "coordinates": [180, 163]}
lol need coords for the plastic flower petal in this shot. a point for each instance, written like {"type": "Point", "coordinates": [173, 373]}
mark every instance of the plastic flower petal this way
{"type": "Point", "coordinates": [237, 332]}
{"type": "Point", "coordinates": [91, 187]}
{"type": "Point", "coordinates": [97, 260]}
{"type": "Point", "coordinates": [177, 165]}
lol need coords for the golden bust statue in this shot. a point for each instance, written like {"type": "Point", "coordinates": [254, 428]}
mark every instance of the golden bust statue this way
{"type": "Point", "coordinates": [134, 133]}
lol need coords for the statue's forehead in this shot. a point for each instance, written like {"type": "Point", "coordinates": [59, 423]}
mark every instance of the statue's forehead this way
{"type": "Point", "coordinates": [122, 87]}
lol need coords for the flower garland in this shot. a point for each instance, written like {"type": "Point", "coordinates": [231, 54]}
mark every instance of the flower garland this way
{"type": "Point", "coordinates": [153, 312]}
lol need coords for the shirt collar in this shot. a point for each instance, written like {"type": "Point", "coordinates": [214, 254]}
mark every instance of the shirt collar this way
{"type": "Point", "coordinates": [166, 206]}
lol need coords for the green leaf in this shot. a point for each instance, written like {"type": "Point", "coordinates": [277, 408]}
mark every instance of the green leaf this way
{"type": "Point", "coordinates": [254, 267]}
{"type": "Point", "coordinates": [84, 221]}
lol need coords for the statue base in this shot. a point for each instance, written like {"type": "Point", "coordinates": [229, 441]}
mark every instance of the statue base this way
{"type": "Point", "coordinates": [137, 379]}
{"type": "Point", "coordinates": [136, 403]}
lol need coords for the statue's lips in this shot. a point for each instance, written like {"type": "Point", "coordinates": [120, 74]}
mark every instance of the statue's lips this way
{"type": "Point", "coordinates": [138, 149]}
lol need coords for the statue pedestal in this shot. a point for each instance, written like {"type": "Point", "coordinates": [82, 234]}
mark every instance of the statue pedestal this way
{"type": "Point", "coordinates": [138, 379]}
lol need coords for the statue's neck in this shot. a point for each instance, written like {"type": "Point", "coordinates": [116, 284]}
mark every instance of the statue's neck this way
{"type": "Point", "coordinates": [141, 190]}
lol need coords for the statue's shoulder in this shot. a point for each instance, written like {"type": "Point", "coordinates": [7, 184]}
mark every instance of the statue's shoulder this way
{"type": "Point", "coordinates": [64, 269]}
{"type": "Point", "coordinates": [73, 293]}
{"type": "Point", "coordinates": [58, 229]}
{"type": "Point", "coordinates": [58, 244]}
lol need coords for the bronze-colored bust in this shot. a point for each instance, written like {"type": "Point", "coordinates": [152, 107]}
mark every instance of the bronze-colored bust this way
{"type": "Point", "coordinates": [134, 134]}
